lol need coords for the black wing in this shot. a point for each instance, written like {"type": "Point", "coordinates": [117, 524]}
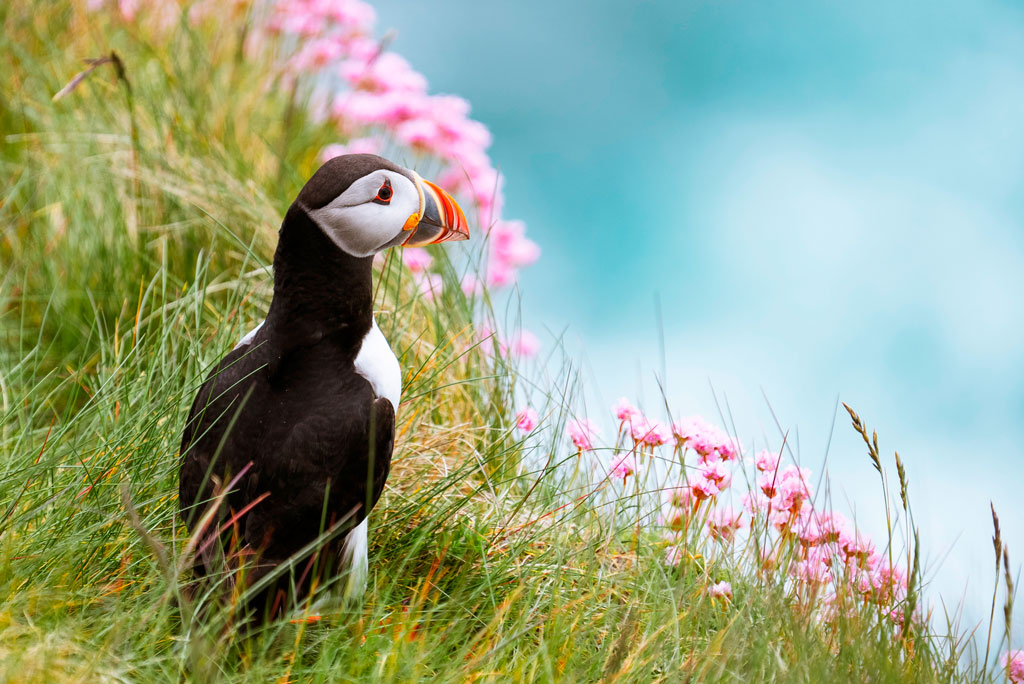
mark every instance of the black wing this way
{"type": "Point", "coordinates": [209, 449]}
{"type": "Point", "coordinates": [328, 471]}
{"type": "Point", "coordinates": [319, 444]}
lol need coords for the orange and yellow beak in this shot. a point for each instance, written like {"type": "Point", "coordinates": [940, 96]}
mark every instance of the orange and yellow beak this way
{"type": "Point", "coordinates": [439, 219]}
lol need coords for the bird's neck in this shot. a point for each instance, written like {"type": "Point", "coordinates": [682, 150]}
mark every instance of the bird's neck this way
{"type": "Point", "coordinates": [319, 289]}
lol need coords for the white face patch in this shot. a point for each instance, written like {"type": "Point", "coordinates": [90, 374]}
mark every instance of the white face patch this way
{"type": "Point", "coordinates": [361, 226]}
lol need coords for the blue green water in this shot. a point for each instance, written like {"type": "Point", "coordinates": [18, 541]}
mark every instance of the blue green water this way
{"type": "Point", "coordinates": [827, 199]}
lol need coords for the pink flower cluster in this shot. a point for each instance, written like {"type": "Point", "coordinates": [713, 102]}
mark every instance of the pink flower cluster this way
{"type": "Point", "coordinates": [508, 250]}
{"type": "Point", "coordinates": [526, 420]}
{"type": "Point", "coordinates": [384, 94]}
{"type": "Point", "coordinates": [711, 443]}
{"type": "Point", "coordinates": [787, 490]}
{"type": "Point", "coordinates": [582, 432]}
{"type": "Point", "coordinates": [523, 343]}
{"type": "Point", "coordinates": [418, 262]}
{"type": "Point", "coordinates": [713, 447]}
{"type": "Point", "coordinates": [709, 478]}
{"type": "Point", "coordinates": [162, 13]}
{"type": "Point", "coordinates": [821, 550]}
{"type": "Point", "coordinates": [722, 590]}
{"type": "Point", "coordinates": [722, 523]}
{"type": "Point", "coordinates": [828, 550]}
{"type": "Point", "coordinates": [1013, 662]}
{"type": "Point", "coordinates": [624, 465]}
{"type": "Point", "coordinates": [312, 20]}
{"type": "Point", "coordinates": [645, 433]}
{"type": "Point", "coordinates": [353, 146]}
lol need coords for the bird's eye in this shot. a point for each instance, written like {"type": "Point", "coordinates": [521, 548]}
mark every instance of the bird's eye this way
{"type": "Point", "coordinates": [385, 193]}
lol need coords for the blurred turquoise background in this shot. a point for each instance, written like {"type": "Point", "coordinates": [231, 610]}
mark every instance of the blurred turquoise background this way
{"type": "Point", "coordinates": [826, 198]}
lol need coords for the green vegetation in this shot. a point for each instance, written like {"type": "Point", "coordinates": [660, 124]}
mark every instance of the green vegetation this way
{"type": "Point", "coordinates": [138, 218]}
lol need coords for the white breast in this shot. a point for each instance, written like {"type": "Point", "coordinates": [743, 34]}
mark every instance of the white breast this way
{"type": "Point", "coordinates": [377, 363]}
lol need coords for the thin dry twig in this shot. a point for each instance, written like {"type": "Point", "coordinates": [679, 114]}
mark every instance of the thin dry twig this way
{"type": "Point", "coordinates": [94, 64]}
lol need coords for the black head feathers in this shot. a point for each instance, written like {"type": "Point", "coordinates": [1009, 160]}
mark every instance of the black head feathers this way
{"type": "Point", "coordinates": [337, 174]}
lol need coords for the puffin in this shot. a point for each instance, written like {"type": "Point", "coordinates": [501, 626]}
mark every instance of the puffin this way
{"type": "Point", "coordinates": [289, 439]}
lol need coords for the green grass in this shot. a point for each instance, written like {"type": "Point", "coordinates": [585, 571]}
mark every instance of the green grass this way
{"type": "Point", "coordinates": [137, 228]}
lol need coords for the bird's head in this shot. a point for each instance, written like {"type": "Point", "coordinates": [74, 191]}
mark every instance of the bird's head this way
{"type": "Point", "coordinates": [365, 203]}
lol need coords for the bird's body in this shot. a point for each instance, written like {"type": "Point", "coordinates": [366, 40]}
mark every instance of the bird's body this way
{"type": "Point", "coordinates": [301, 412]}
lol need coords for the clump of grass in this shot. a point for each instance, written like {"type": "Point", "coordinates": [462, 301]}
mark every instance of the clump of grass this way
{"type": "Point", "coordinates": [135, 251]}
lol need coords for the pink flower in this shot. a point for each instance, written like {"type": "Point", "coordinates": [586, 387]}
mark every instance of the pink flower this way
{"type": "Point", "coordinates": [488, 339]}
{"type": "Point", "coordinates": [767, 461]}
{"type": "Point", "coordinates": [525, 344]}
{"type": "Point", "coordinates": [389, 72]}
{"type": "Point", "coordinates": [361, 46]}
{"type": "Point", "coordinates": [753, 502]}
{"type": "Point", "coordinates": [128, 9]}
{"type": "Point", "coordinates": [499, 274]}
{"type": "Point", "coordinates": [293, 19]}
{"type": "Point", "coordinates": [706, 439]}
{"type": "Point", "coordinates": [689, 431]}
{"type": "Point", "coordinates": [450, 113]}
{"type": "Point", "coordinates": [888, 582]}
{"type": "Point", "coordinates": [767, 483]}
{"type": "Point", "coordinates": [781, 520]}
{"type": "Point", "coordinates": [832, 526]}
{"type": "Point", "coordinates": [676, 519]}
{"type": "Point", "coordinates": [645, 432]}
{"type": "Point", "coordinates": [680, 497]}
{"type": "Point", "coordinates": [471, 286]}
{"type": "Point", "coordinates": [390, 109]}
{"type": "Point", "coordinates": [728, 448]}
{"type": "Point", "coordinates": [416, 260]}
{"type": "Point", "coordinates": [808, 528]}
{"type": "Point", "coordinates": [703, 487]}
{"type": "Point", "coordinates": [624, 466]}
{"type": "Point", "coordinates": [526, 420]}
{"type": "Point", "coordinates": [354, 15]}
{"type": "Point", "coordinates": [582, 432]}
{"type": "Point", "coordinates": [509, 244]}
{"type": "Point", "coordinates": [723, 523]}
{"type": "Point", "coordinates": [720, 590]}
{"type": "Point", "coordinates": [673, 554]}
{"type": "Point", "coordinates": [430, 284]}
{"type": "Point", "coordinates": [624, 410]}
{"type": "Point", "coordinates": [485, 186]}
{"type": "Point", "coordinates": [793, 488]}
{"type": "Point", "coordinates": [397, 109]}
{"type": "Point", "coordinates": [1013, 661]}
{"type": "Point", "coordinates": [855, 546]}
{"type": "Point", "coordinates": [357, 146]}
{"type": "Point", "coordinates": [657, 434]}
{"type": "Point", "coordinates": [716, 472]}
{"type": "Point", "coordinates": [420, 133]}
{"type": "Point", "coordinates": [315, 55]}
{"type": "Point", "coordinates": [812, 570]}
